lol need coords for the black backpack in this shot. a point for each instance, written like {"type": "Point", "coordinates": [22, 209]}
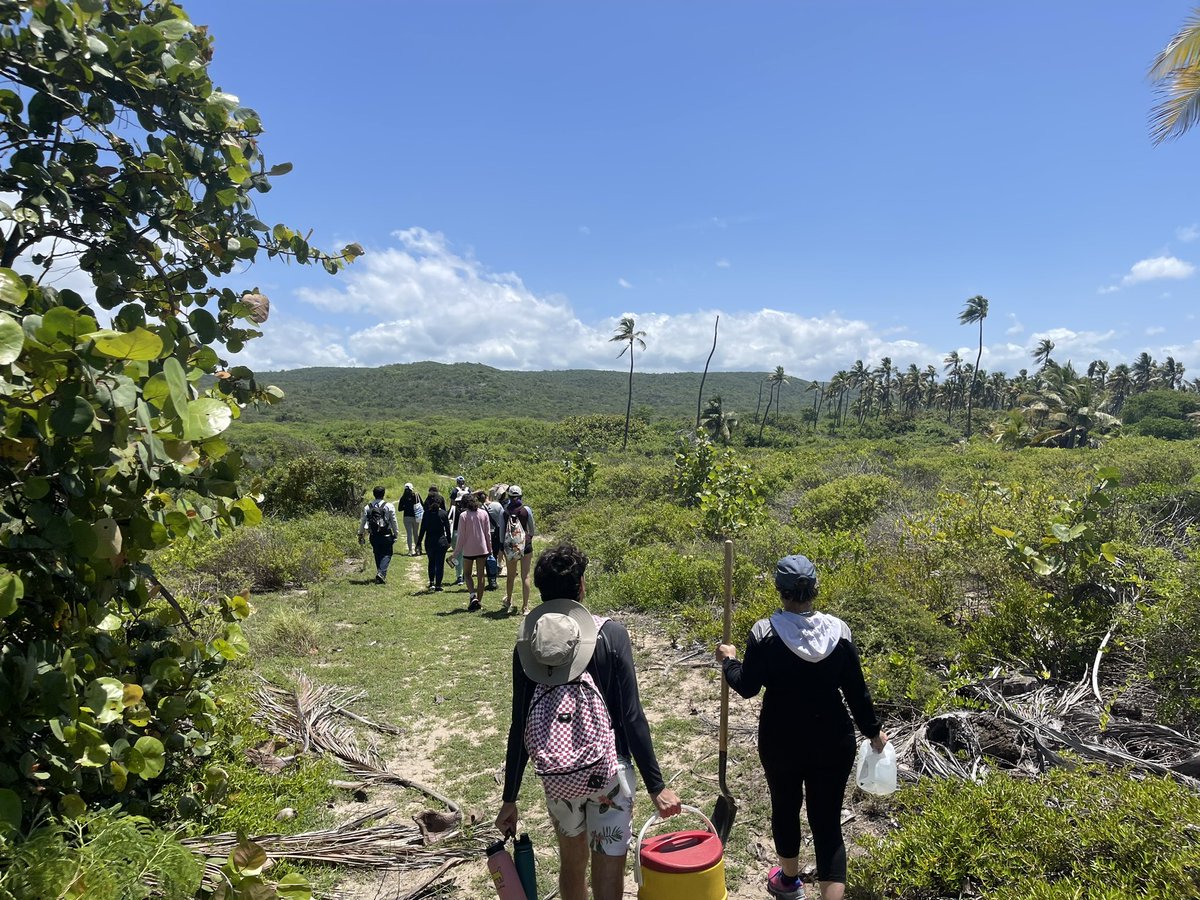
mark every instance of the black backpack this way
{"type": "Point", "coordinates": [377, 522]}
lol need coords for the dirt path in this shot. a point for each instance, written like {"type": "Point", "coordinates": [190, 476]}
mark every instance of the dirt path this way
{"type": "Point", "coordinates": [445, 677]}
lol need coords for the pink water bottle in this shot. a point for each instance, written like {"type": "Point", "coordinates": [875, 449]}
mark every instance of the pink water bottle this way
{"type": "Point", "coordinates": [504, 873]}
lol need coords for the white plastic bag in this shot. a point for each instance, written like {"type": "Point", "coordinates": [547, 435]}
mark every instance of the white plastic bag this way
{"type": "Point", "coordinates": [876, 772]}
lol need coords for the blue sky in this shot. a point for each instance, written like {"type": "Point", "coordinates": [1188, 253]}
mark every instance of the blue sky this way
{"type": "Point", "coordinates": [833, 178]}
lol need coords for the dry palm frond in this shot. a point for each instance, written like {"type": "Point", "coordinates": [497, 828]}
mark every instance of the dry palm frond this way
{"type": "Point", "coordinates": [305, 716]}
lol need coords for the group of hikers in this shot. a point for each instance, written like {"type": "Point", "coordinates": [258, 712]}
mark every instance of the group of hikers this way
{"type": "Point", "coordinates": [577, 713]}
{"type": "Point", "coordinates": [486, 534]}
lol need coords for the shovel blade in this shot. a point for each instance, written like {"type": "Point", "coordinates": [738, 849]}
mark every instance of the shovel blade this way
{"type": "Point", "coordinates": [723, 815]}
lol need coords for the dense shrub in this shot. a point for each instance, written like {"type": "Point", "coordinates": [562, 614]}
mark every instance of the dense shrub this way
{"type": "Point", "coordinates": [101, 857]}
{"type": "Point", "coordinates": [268, 557]}
{"type": "Point", "coordinates": [1167, 429]}
{"type": "Point", "coordinates": [315, 483]}
{"type": "Point", "coordinates": [1068, 834]}
{"type": "Point", "coordinates": [848, 503]}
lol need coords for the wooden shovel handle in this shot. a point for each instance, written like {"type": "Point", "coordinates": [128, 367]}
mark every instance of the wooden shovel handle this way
{"type": "Point", "coordinates": [726, 632]}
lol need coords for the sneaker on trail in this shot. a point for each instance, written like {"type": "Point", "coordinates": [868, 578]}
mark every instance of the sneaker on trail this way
{"type": "Point", "coordinates": [779, 885]}
{"type": "Point", "coordinates": [379, 579]}
{"type": "Point", "coordinates": [474, 605]}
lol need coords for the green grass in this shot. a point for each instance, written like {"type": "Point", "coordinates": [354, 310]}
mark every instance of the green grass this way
{"type": "Point", "coordinates": [444, 676]}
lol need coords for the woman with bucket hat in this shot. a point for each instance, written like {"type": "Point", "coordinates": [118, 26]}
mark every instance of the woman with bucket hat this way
{"type": "Point", "coordinates": [563, 651]}
{"type": "Point", "coordinates": [807, 663]}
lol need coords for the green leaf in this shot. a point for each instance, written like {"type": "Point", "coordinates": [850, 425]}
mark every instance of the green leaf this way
{"type": "Point", "coordinates": [1109, 551]}
{"type": "Point", "coordinates": [176, 384]}
{"type": "Point", "coordinates": [279, 169]}
{"type": "Point", "coordinates": [204, 325]}
{"type": "Point", "coordinates": [1003, 532]}
{"type": "Point", "coordinates": [152, 753]}
{"type": "Point", "coordinates": [72, 806]}
{"type": "Point", "coordinates": [156, 390]}
{"type": "Point", "coordinates": [251, 514]}
{"type": "Point", "coordinates": [248, 857]}
{"type": "Point", "coordinates": [60, 321]}
{"type": "Point", "coordinates": [12, 339]}
{"type": "Point", "coordinates": [10, 810]}
{"type": "Point", "coordinates": [1040, 566]}
{"type": "Point", "coordinates": [104, 696]}
{"type": "Point", "coordinates": [136, 344]}
{"type": "Point", "coordinates": [1061, 531]}
{"type": "Point", "coordinates": [293, 887]}
{"type": "Point", "coordinates": [1108, 473]}
{"type": "Point", "coordinates": [206, 418]}
{"type": "Point", "coordinates": [13, 289]}
{"type": "Point", "coordinates": [12, 589]}
{"type": "Point", "coordinates": [37, 487]}
{"type": "Point", "coordinates": [73, 417]}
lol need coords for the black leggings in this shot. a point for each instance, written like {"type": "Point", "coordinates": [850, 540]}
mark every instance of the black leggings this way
{"type": "Point", "coordinates": [437, 564]}
{"type": "Point", "coordinates": [822, 769]}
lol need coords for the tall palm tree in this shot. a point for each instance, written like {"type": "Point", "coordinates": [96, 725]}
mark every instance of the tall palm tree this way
{"type": "Point", "coordinates": [627, 333]}
{"type": "Point", "coordinates": [1119, 386]}
{"type": "Point", "coordinates": [953, 370]}
{"type": "Point", "coordinates": [975, 310]}
{"type": "Point", "coordinates": [718, 421]}
{"type": "Point", "coordinates": [1065, 409]}
{"type": "Point", "coordinates": [1176, 73]}
{"type": "Point", "coordinates": [1041, 354]}
{"type": "Point", "coordinates": [1143, 370]}
{"type": "Point", "coordinates": [885, 382]}
{"type": "Point", "coordinates": [778, 379]}
{"type": "Point", "coordinates": [817, 391]}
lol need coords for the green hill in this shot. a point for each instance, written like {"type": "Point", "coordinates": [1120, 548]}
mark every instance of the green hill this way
{"type": "Point", "coordinates": [418, 390]}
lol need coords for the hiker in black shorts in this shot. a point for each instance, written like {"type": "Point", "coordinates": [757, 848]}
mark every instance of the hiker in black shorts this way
{"type": "Point", "coordinates": [807, 663]}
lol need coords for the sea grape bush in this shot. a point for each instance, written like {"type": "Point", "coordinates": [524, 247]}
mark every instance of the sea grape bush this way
{"type": "Point", "coordinates": [121, 158]}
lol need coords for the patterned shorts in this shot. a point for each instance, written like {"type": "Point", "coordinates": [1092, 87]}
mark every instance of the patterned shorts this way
{"type": "Point", "coordinates": [607, 814]}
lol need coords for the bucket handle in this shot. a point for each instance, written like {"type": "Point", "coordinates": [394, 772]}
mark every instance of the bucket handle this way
{"type": "Point", "coordinates": [653, 820]}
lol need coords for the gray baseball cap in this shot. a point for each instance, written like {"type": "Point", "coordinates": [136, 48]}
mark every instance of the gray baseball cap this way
{"type": "Point", "coordinates": [791, 570]}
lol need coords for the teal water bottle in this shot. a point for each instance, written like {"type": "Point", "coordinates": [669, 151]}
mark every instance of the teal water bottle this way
{"type": "Point", "coordinates": [526, 868]}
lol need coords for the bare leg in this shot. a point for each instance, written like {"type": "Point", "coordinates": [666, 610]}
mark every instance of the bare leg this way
{"type": "Point", "coordinates": [510, 576]}
{"type": "Point", "coordinates": [790, 866]}
{"type": "Point", "coordinates": [470, 570]}
{"type": "Point", "coordinates": [572, 871]}
{"type": "Point", "coordinates": [526, 560]}
{"type": "Point", "coordinates": [832, 890]}
{"type": "Point", "coordinates": [608, 876]}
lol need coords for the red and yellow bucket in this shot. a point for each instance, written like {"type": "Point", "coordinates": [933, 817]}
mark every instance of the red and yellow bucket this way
{"type": "Point", "coordinates": [681, 865]}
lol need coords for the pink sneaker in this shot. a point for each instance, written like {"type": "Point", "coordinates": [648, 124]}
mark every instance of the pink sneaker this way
{"type": "Point", "coordinates": [779, 885]}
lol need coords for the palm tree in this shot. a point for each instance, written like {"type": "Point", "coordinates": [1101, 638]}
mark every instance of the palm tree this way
{"type": "Point", "coordinates": [1119, 386]}
{"type": "Point", "coordinates": [1041, 354]}
{"type": "Point", "coordinates": [717, 421]}
{"type": "Point", "coordinates": [975, 310]}
{"type": "Point", "coordinates": [1176, 73]}
{"type": "Point", "coordinates": [1143, 372]}
{"type": "Point", "coordinates": [953, 370]}
{"type": "Point", "coordinates": [817, 391]}
{"type": "Point", "coordinates": [1065, 409]}
{"type": "Point", "coordinates": [627, 333]}
{"type": "Point", "coordinates": [778, 379]}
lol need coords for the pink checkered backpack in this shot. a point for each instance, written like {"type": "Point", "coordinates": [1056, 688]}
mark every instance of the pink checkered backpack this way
{"type": "Point", "coordinates": [570, 739]}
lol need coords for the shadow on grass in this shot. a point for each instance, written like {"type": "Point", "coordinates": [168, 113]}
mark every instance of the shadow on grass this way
{"type": "Point", "coordinates": [370, 580]}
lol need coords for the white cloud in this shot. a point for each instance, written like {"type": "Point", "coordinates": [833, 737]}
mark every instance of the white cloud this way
{"type": "Point", "coordinates": [1187, 233]}
{"type": "Point", "coordinates": [583, 229]}
{"type": "Point", "coordinates": [1156, 268]}
{"type": "Point", "coordinates": [1112, 288]}
{"type": "Point", "coordinates": [1155, 329]}
{"type": "Point", "coordinates": [623, 283]}
{"type": "Point", "coordinates": [425, 300]}
{"type": "Point", "coordinates": [1016, 327]}
{"type": "Point", "coordinates": [722, 263]}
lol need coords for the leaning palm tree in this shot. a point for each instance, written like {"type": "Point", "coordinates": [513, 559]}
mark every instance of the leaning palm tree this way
{"type": "Point", "coordinates": [1041, 354]}
{"type": "Point", "coordinates": [1176, 74]}
{"type": "Point", "coordinates": [627, 333]}
{"type": "Point", "coordinates": [976, 310]}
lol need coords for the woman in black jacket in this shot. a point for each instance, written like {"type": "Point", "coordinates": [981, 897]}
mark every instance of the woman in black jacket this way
{"type": "Point", "coordinates": [434, 536]}
{"type": "Point", "coordinates": [808, 664]}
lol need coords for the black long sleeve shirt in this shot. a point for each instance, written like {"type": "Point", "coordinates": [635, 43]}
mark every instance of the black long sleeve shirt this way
{"type": "Point", "coordinates": [611, 667]}
{"type": "Point", "coordinates": [802, 695]}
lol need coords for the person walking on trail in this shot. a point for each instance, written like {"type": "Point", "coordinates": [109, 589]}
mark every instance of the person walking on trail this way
{"type": "Point", "coordinates": [409, 502]}
{"type": "Point", "coordinates": [456, 508]}
{"type": "Point", "coordinates": [495, 511]}
{"type": "Point", "coordinates": [474, 545]}
{"type": "Point", "coordinates": [563, 652]}
{"type": "Point", "coordinates": [517, 542]}
{"type": "Point", "coordinates": [807, 663]}
{"type": "Point", "coordinates": [460, 488]}
{"type": "Point", "coordinates": [434, 537]}
{"type": "Point", "coordinates": [379, 522]}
